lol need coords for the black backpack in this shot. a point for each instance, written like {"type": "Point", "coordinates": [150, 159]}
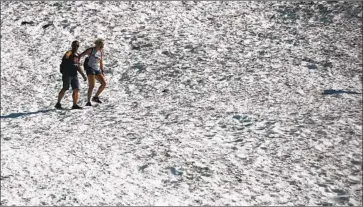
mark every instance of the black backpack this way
{"type": "Point", "coordinates": [63, 65]}
{"type": "Point", "coordinates": [85, 64]}
{"type": "Point", "coordinates": [61, 68]}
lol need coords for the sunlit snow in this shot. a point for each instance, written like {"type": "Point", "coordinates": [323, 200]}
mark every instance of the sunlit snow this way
{"type": "Point", "coordinates": [206, 103]}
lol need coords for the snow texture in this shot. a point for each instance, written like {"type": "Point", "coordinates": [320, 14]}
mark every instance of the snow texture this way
{"type": "Point", "coordinates": [206, 103]}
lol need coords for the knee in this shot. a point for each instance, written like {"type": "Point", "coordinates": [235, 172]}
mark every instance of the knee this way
{"type": "Point", "coordinates": [75, 91]}
{"type": "Point", "coordinates": [91, 84]}
{"type": "Point", "coordinates": [103, 84]}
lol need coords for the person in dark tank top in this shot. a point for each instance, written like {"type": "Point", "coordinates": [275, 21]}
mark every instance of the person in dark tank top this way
{"type": "Point", "coordinates": [69, 76]}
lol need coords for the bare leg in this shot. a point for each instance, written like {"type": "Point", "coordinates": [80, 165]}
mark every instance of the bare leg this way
{"type": "Point", "coordinates": [61, 95]}
{"type": "Point", "coordinates": [100, 78]}
{"type": "Point", "coordinates": [75, 96]}
{"type": "Point", "coordinates": [91, 85]}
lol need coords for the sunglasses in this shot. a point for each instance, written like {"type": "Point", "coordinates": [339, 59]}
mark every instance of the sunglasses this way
{"type": "Point", "coordinates": [75, 45]}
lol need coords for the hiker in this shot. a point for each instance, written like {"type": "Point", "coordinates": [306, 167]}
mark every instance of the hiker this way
{"type": "Point", "coordinates": [95, 70]}
{"type": "Point", "coordinates": [69, 67]}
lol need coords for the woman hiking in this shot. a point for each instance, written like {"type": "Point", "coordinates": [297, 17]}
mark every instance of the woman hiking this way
{"type": "Point", "coordinates": [69, 68]}
{"type": "Point", "coordinates": [95, 70]}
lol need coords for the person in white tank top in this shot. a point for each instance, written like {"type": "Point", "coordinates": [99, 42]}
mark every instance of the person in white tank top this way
{"type": "Point", "coordinates": [95, 70]}
{"type": "Point", "coordinates": [94, 60]}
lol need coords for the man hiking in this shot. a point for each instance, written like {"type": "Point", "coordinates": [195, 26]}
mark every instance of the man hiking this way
{"type": "Point", "coordinates": [69, 67]}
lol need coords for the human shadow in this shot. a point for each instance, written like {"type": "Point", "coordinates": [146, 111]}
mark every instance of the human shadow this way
{"type": "Point", "coordinates": [16, 115]}
{"type": "Point", "coordinates": [331, 91]}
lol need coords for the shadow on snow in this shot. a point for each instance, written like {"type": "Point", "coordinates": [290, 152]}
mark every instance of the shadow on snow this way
{"type": "Point", "coordinates": [331, 91]}
{"type": "Point", "coordinates": [16, 115]}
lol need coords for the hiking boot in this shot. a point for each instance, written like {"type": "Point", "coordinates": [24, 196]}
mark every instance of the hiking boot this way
{"type": "Point", "coordinates": [58, 106]}
{"type": "Point", "coordinates": [96, 99]}
{"type": "Point", "coordinates": [88, 104]}
{"type": "Point", "coordinates": [76, 107]}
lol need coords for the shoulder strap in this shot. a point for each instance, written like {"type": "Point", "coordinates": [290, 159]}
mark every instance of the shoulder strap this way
{"type": "Point", "coordinates": [91, 51]}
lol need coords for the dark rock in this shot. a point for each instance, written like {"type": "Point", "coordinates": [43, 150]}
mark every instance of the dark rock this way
{"type": "Point", "coordinates": [136, 47]}
{"type": "Point", "coordinates": [147, 45]}
{"type": "Point", "coordinates": [47, 25]}
{"type": "Point", "coordinates": [354, 162]}
{"type": "Point", "coordinates": [143, 167]}
{"type": "Point", "coordinates": [238, 117]}
{"type": "Point", "coordinates": [312, 67]}
{"type": "Point", "coordinates": [328, 64]}
{"type": "Point", "coordinates": [339, 191]}
{"type": "Point", "coordinates": [342, 198]}
{"type": "Point", "coordinates": [138, 66]}
{"type": "Point", "coordinates": [174, 171]}
{"type": "Point", "coordinates": [25, 23]}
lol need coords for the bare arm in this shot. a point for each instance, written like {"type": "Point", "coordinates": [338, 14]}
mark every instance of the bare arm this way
{"type": "Point", "coordinates": [101, 63]}
{"type": "Point", "coordinates": [101, 66]}
{"type": "Point", "coordinates": [81, 72]}
{"type": "Point", "coordinates": [86, 52]}
{"type": "Point", "coordinates": [68, 53]}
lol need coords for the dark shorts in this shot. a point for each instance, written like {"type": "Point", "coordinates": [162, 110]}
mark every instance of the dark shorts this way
{"type": "Point", "coordinates": [91, 71]}
{"type": "Point", "coordinates": [72, 80]}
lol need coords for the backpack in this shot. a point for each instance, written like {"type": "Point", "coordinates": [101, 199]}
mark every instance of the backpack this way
{"type": "Point", "coordinates": [63, 65]}
{"type": "Point", "coordinates": [85, 64]}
